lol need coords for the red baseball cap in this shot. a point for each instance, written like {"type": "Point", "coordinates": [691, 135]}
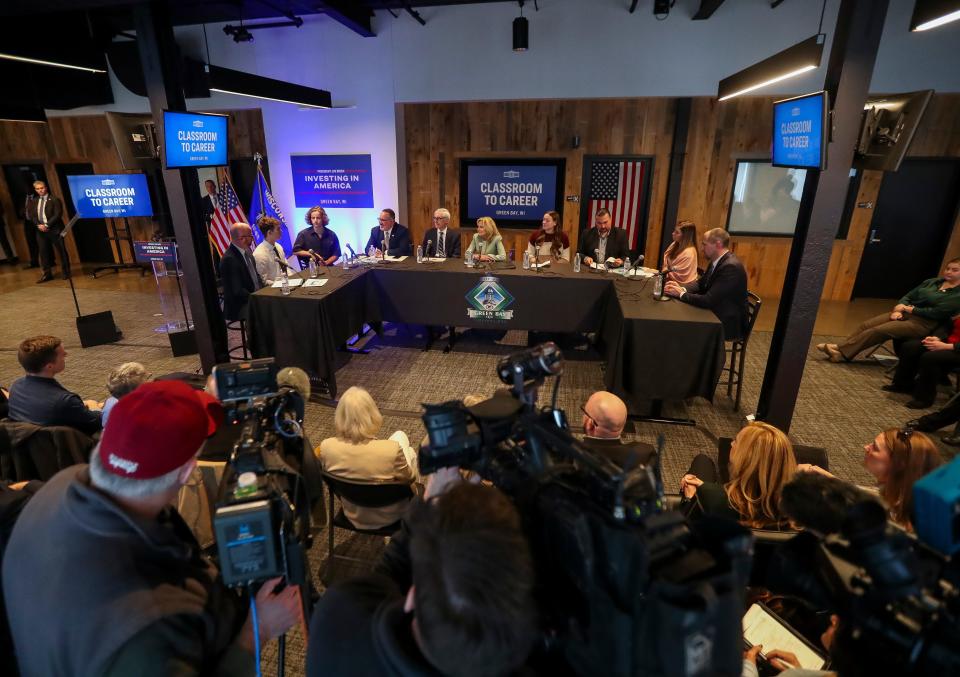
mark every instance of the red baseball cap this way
{"type": "Point", "coordinates": [156, 428]}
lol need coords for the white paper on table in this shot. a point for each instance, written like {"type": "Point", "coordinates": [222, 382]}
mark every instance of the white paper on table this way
{"type": "Point", "coordinates": [542, 264]}
{"type": "Point", "coordinates": [760, 627]}
{"type": "Point", "coordinates": [638, 272]}
{"type": "Point", "coordinates": [294, 282]}
{"type": "Point", "coordinates": [607, 265]}
{"type": "Point", "coordinates": [397, 259]}
{"type": "Point", "coordinates": [434, 259]}
{"type": "Point", "coordinates": [315, 283]}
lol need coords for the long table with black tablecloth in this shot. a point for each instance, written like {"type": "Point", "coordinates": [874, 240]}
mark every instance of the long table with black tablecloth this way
{"type": "Point", "coordinates": [655, 350]}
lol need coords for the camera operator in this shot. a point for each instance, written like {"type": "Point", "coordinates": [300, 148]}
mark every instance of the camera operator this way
{"type": "Point", "coordinates": [452, 594]}
{"type": "Point", "coordinates": [103, 577]}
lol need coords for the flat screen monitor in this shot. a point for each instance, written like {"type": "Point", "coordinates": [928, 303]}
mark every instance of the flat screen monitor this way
{"type": "Point", "coordinates": [765, 200]}
{"type": "Point", "coordinates": [889, 123]}
{"type": "Point", "coordinates": [514, 193]}
{"type": "Point", "coordinates": [194, 139]}
{"type": "Point", "coordinates": [135, 137]}
{"type": "Point", "coordinates": [800, 132]}
{"type": "Point", "coordinates": [110, 196]}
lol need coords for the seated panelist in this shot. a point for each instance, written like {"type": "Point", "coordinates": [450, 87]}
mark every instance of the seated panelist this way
{"type": "Point", "coordinates": [487, 244]}
{"type": "Point", "coordinates": [389, 236]}
{"type": "Point", "coordinates": [316, 240]}
{"type": "Point", "coordinates": [440, 241]}
{"type": "Point", "coordinates": [549, 242]}
{"type": "Point", "coordinates": [605, 241]}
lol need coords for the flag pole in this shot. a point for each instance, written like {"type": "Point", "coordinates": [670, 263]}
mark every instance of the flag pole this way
{"type": "Point", "coordinates": [258, 158]}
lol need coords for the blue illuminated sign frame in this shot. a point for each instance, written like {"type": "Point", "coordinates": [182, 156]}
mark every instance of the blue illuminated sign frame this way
{"type": "Point", "coordinates": [175, 158]}
{"type": "Point", "coordinates": [512, 170]}
{"type": "Point", "coordinates": [814, 107]}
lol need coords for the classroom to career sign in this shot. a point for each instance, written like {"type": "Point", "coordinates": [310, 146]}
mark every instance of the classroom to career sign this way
{"type": "Point", "coordinates": [110, 196]}
{"type": "Point", "coordinates": [509, 192]}
{"type": "Point", "coordinates": [194, 139]}
{"type": "Point", "coordinates": [798, 132]}
{"type": "Point", "coordinates": [332, 181]}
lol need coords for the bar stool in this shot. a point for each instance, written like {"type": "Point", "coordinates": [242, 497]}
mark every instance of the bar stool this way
{"type": "Point", "coordinates": [239, 326]}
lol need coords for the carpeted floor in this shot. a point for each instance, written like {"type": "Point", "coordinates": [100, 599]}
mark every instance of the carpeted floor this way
{"type": "Point", "coordinates": [840, 406]}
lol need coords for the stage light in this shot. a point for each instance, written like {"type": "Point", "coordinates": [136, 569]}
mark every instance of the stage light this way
{"type": "Point", "coordinates": [928, 14]}
{"type": "Point", "coordinates": [56, 64]}
{"type": "Point", "coordinates": [228, 81]}
{"type": "Point", "coordinates": [800, 58]}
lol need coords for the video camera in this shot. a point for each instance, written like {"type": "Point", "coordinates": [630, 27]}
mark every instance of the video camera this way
{"type": "Point", "coordinates": [624, 587]}
{"type": "Point", "coordinates": [897, 598]}
{"type": "Point", "coordinates": [262, 520]}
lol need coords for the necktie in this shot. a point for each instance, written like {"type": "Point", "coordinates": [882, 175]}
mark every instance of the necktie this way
{"type": "Point", "coordinates": [41, 210]}
{"type": "Point", "coordinates": [603, 250]}
{"type": "Point", "coordinates": [386, 242]}
{"type": "Point", "coordinates": [441, 249]}
{"type": "Point", "coordinates": [252, 269]}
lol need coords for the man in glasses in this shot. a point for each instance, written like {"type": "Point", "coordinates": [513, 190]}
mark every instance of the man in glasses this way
{"type": "Point", "coordinates": [390, 237]}
{"type": "Point", "coordinates": [439, 241]}
{"type": "Point", "coordinates": [604, 417]}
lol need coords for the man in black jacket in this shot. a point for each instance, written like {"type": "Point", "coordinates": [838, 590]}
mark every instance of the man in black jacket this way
{"type": "Point", "coordinates": [605, 241]}
{"type": "Point", "coordinates": [46, 213]}
{"type": "Point", "coordinates": [440, 241]}
{"type": "Point", "coordinates": [604, 418]}
{"type": "Point", "coordinates": [390, 237]}
{"type": "Point", "coordinates": [452, 595]}
{"type": "Point", "coordinates": [722, 288]}
{"type": "Point", "coordinates": [238, 272]}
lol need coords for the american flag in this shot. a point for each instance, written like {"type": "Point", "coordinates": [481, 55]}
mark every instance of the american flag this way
{"type": "Point", "coordinates": [227, 211]}
{"type": "Point", "coordinates": [618, 187]}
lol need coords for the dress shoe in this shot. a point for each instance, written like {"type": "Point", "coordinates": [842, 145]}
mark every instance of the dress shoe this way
{"type": "Point", "coordinates": [894, 388]}
{"type": "Point", "coordinates": [46, 277]}
{"type": "Point", "coordinates": [919, 404]}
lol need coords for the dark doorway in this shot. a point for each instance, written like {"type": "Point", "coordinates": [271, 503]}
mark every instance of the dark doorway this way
{"type": "Point", "coordinates": [620, 184]}
{"type": "Point", "coordinates": [20, 178]}
{"type": "Point", "coordinates": [915, 211]}
{"type": "Point", "coordinates": [89, 234]}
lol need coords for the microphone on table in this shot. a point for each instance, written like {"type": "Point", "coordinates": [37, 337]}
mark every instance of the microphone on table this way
{"type": "Point", "coordinates": [596, 254]}
{"type": "Point", "coordinates": [353, 254]}
{"type": "Point", "coordinates": [313, 254]}
{"type": "Point", "coordinates": [426, 250]}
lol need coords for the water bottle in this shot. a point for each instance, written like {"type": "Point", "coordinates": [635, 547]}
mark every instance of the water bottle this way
{"type": "Point", "coordinates": [419, 254]}
{"type": "Point", "coordinates": [313, 267]}
{"type": "Point", "coordinates": [526, 261]}
{"type": "Point", "coordinates": [657, 286]}
{"type": "Point", "coordinates": [626, 266]}
{"type": "Point", "coordinates": [370, 250]}
{"type": "Point", "coordinates": [467, 257]}
{"type": "Point", "coordinates": [284, 283]}
{"type": "Point", "coordinates": [346, 262]}
{"type": "Point", "coordinates": [576, 262]}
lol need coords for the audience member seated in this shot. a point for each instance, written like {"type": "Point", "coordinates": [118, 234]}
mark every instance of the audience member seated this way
{"type": "Point", "coordinates": [896, 458]}
{"type": "Point", "coordinates": [102, 543]}
{"type": "Point", "coordinates": [604, 417]}
{"type": "Point", "coordinates": [238, 272]}
{"type": "Point", "coordinates": [549, 242]}
{"type": "Point", "coordinates": [761, 462]}
{"type": "Point", "coordinates": [122, 381]}
{"type": "Point", "coordinates": [39, 399]}
{"type": "Point", "coordinates": [487, 245]}
{"type": "Point", "coordinates": [355, 453]}
{"type": "Point", "coordinates": [722, 288]}
{"type": "Point", "coordinates": [916, 315]}
{"type": "Point", "coordinates": [268, 255]}
{"type": "Point", "coordinates": [452, 595]}
{"type": "Point", "coordinates": [680, 259]}
{"type": "Point", "coordinates": [923, 362]}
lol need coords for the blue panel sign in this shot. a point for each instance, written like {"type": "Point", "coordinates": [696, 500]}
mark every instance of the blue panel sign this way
{"type": "Point", "coordinates": [161, 252]}
{"type": "Point", "coordinates": [798, 132]}
{"type": "Point", "coordinates": [110, 196]}
{"type": "Point", "coordinates": [327, 181]}
{"type": "Point", "coordinates": [511, 192]}
{"type": "Point", "coordinates": [194, 140]}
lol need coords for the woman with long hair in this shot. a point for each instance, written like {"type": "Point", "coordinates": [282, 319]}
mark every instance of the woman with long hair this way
{"type": "Point", "coordinates": [680, 259]}
{"type": "Point", "coordinates": [356, 453]}
{"type": "Point", "coordinates": [761, 463]}
{"type": "Point", "coordinates": [487, 245]}
{"type": "Point", "coordinates": [896, 458]}
{"type": "Point", "coordinates": [549, 241]}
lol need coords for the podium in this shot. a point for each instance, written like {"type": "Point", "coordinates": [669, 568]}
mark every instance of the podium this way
{"type": "Point", "coordinates": [174, 320]}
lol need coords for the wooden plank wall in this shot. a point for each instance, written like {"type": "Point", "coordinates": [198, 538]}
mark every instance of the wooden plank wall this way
{"type": "Point", "coordinates": [437, 135]}
{"type": "Point", "coordinates": [87, 139]}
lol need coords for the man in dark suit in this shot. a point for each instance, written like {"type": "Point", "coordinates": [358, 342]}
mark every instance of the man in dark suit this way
{"type": "Point", "coordinates": [391, 233]}
{"type": "Point", "coordinates": [722, 288]}
{"type": "Point", "coordinates": [209, 200]}
{"type": "Point", "coordinates": [604, 417]}
{"type": "Point", "coordinates": [45, 212]}
{"type": "Point", "coordinates": [238, 271]}
{"type": "Point", "coordinates": [603, 237]}
{"type": "Point", "coordinates": [440, 241]}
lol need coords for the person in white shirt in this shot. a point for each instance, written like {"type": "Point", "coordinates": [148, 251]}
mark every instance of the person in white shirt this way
{"type": "Point", "coordinates": [269, 255]}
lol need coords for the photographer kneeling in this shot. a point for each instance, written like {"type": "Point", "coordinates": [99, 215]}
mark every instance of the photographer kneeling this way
{"type": "Point", "coordinates": [452, 594]}
{"type": "Point", "coordinates": [103, 577]}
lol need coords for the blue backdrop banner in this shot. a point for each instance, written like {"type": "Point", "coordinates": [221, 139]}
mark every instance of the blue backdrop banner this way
{"type": "Point", "coordinates": [111, 196]}
{"type": "Point", "coordinates": [332, 181]}
{"type": "Point", "coordinates": [511, 192]}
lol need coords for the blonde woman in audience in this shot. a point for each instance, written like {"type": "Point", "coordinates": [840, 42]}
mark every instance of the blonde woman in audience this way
{"type": "Point", "coordinates": [680, 259]}
{"type": "Point", "coordinates": [355, 453]}
{"type": "Point", "coordinates": [487, 245]}
{"type": "Point", "coordinates": [896, 458]}
{"type": "Point", "coordinates": [122, 381]}
{"type": "Point", "coordinates": [761, 463]}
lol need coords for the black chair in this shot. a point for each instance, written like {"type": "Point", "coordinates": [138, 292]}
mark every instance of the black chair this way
{"type": "Point", "coordinates": [32, 452]}
{"type": "Point", "coordinates": [738, 350]}
{"type": "Point", "coordinates": [803, 454]}
{"type": "Point", "coordinates": [364, 494]}
{"type": "Point", "coordinates": [239, 326]}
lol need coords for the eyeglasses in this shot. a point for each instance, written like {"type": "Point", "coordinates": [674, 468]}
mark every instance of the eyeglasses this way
{"type": "Point", "coordinates": [584, 410]}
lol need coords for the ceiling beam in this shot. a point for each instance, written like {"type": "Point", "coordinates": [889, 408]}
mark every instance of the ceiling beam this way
{"type": "Point", "coordinates": [350, 15]}
{"type": "Point", "coordinates": [707, 8]}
